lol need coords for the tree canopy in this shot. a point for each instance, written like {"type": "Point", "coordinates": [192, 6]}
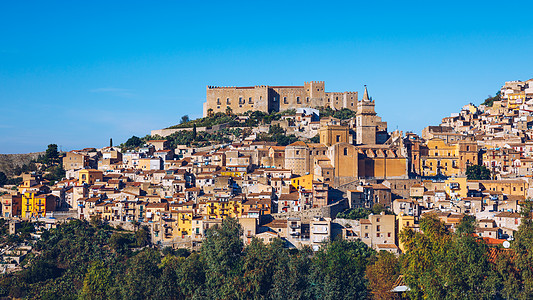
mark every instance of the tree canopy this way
{"type": "Point", "coordinates": [477, 172]}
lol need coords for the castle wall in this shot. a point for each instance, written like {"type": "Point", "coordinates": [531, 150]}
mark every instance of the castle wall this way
{"type": "Point", "coordinates": [276, 98]}
{"type": "Point", "coordinates": [239, 99]}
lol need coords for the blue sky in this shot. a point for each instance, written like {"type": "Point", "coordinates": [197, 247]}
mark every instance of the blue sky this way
{"type": "Point", "coordinates": [77, 74]}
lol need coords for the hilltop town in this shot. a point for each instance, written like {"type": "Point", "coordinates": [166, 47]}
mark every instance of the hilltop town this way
{"type": "Point", "coordinates": [346, 177]}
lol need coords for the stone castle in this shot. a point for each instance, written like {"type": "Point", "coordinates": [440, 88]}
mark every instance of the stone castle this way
{"type": "Point", "coordinates": [276, 98]}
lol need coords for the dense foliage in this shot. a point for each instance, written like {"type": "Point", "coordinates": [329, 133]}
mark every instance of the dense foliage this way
{"type": "Point", "coordinates": [490, 99]}
{"type": "Point", "coordinates": [50, 164]}
{"type": "Point", "coordinates": [80, 260]}
{"type": "Point", "coordinates": [277, 134]}
{"type": "Point", "coordinates": [250, 119]}
{"type": "Point", "coordinates": [343, 114]}
{"type": "Point", "coordinates": [362, 213]}
{"type": "Point", "coordinates": [439, 264]}
{"type": "Point", "coordinates": [477, 172]}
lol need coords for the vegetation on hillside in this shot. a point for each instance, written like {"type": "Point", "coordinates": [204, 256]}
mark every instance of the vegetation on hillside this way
{"type": "Point", "coordinates": [477, 172]}
{"type": "Point", "coordinates": [362, 213]}
{"type": "Point", "coordinates": [278, 135]}
{"type": "Point", "coordinates": [255, 118]}
{"type": "Point", "coordinates": [93, 261]}
{"type": "Point", "coordinates": [490, 99]}
{"type": "Point", "coordinates": [50, 164]}
{"type": "Point", "coordinates": [343, 114]}
{"type": "Point", "coordinates": [80, 260]}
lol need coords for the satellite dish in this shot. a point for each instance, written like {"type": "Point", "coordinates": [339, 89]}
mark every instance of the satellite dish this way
{"type": "Point", "coordinates": [506, 244]}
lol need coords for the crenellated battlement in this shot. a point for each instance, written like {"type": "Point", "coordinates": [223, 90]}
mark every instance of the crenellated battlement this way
{"type": "Point", "coordinates": [268, 98]}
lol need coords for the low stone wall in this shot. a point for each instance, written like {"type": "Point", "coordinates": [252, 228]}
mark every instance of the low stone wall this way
{"type": "Point", "coordinates": [167, 132]}
{"type": "Point", "coordinates": [329, 211]}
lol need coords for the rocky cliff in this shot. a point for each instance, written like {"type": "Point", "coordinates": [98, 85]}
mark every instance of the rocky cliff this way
{"type": "Point", "coordinates": [8, 162]}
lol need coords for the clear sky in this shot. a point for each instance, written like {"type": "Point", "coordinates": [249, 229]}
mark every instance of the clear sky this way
{"type": "Point", "coordinates": [77, 73]}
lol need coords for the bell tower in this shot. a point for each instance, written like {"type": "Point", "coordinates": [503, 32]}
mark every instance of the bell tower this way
{"type": "Point", "coordinates": [366, 121]}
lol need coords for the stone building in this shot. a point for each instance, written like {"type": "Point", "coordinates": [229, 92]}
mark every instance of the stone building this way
{"type": "Point", "coordinates": [276, 98]}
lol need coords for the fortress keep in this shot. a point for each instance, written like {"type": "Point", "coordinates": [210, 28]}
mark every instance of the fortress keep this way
{"type": "Point", "coordinates": [276, 98]}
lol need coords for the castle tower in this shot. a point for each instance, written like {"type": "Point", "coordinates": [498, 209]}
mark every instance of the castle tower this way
{"type": "Point", "coordinates": [366, 120]}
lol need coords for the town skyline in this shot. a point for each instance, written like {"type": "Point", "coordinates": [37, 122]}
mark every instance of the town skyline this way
{"type": "Point", "coordinates": [78, 82]}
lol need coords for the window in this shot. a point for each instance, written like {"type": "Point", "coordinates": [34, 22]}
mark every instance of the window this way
{"type": "Point", "coordinates": [240, 100]}
{"type": "Point", "coordinates": [378, 228]}
{"type": "Point", "coordinates": [285, 100]}
{"type": "Point", "coordinates": [377, 234]}
{"type": "Point", "coordinates": [388, 234]}
{"type": "Point", "coordinates": [377, 220]}
{"type": "Point", "coordinates": [345, 151]}
{"type": "Point", "coordinates": [338, 138]}
{"type": "Point", "coordinates": [298, 100]}
{"type": "Point", "coordinates": [250, 100]}
{"type": "Point", "coordinates": [297, 152]}
{"type": "Point", "coordinates": [227, 101]}
{"type": "Point", "coordinates": [218, 101]}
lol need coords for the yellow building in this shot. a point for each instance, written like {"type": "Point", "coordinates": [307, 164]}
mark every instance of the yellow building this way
{"type": "Point", "coordinates": [90, 176]}
{"type": "Point", "coordinates": [235, 174]}
{"type": "Point", "coordinates": [516, 99]}
{"type": "Point", "coordinates": [305, 182]}
{"type": "Point", "coordinates": [515, 187]}
{"type": "Point", "coordinates": [404, 221]}
{"type": "Point", "coordinates": [456, 187]}
{"type": "Point", "coordinates": [448, 159]}
{"type": "Point", "coordinates": [185, 223]}
{"type": "Point", "coordinates": [224, 209]}
{"type": "Point", "coordinates": [36, 206]}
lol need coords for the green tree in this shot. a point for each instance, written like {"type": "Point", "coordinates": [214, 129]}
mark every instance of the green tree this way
{"type": "Point", "coordinates": [3, 179]}
{"type": "Point", "coordinates": [229, 111]}
{"type": "Point", "coordinates": [141, 278]}
{"type": "Point", "coordinates": [382, 274]}
{"type": "Point", "coordinates": [477, 172]}
{"type": "Point", "coordinates": [97, 282]}
{"type": "Point", "coordinates": [355, 213]}
{"type": "Point", "coordinates": [338, 270]}
{"type": "Point", "coordinates": [194, 133]}
{"type": "Point", "coordinates": [275, 129]}
{"type": "Point", "coordinates": [51, 155]}
{"type": "Point", "coordinates": [315, 139]}
{"type": "Point", "coordinates": [142, 237]}
{"type": "Point", "coordinates": [133, 142]}
{"type": "Point", "coordinates": [222, 251]}
{"type": "Point", "coordinates": [490, 99]}
{"type": "Point", "coordinates": [184, 119]}
{"type": "Point", "coordinates": [523, 249]}
{"type": "Point", "coordinates": [425, 252]}
{"type": "Point", "coordinates": [443, 265]}
{"type": "Point", "coordinates": [466, 269]}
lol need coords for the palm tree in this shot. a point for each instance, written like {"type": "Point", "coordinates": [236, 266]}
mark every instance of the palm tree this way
{"type": "Point", "coordinates": [210, 112]}
{"type": "Point", "coordinates": [229, 111]}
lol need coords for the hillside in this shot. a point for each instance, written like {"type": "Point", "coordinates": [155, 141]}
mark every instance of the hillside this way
{"type": "Point", "coordinates": [8, 162]}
